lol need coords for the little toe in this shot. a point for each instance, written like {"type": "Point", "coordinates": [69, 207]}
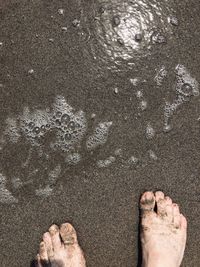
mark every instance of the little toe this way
{"type": "Point", "coordinates": [43, 252]}
{"type": "Point", "coordinates": [68, 234]}
{"type": "Point", "coordinates": [55, 237]}
{"type": "Point", "coordinates": [147, 202]}
{"type": "Point", "coordinates": [183, 222]}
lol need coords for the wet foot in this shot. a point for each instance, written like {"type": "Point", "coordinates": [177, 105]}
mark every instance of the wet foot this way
{"type": "Point", "coordinates": [60, 248]}
{"type": "Point", "coordinates": [163, 232]}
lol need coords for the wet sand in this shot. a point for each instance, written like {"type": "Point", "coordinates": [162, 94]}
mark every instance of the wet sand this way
{"type": "Point", "coordinates": [99, 101]}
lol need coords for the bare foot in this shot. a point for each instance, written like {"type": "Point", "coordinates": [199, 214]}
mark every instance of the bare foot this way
{"type": "Point", "coordinates": [163, 232]}
{"type": "Point", "coordinates": [60, 248]}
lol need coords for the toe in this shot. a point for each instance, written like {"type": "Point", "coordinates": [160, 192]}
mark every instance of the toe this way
{"type": "Point", "coordinates": [48, 243]}
{"type": "Point", "coordinates": [176, 216]}
{"type": "Point", "coordinates": [68, 234]}
{"type": "Point", "coordinates": [38, 264]}
{"type": "Point", "coordinates": [162, 204]}
{"type": "Point", "coordinates": [147, 202]}
{"type": "Point", "coordinates": [168, 200]}
{"type": "Point", "coordinates": [159, 195]}
{"type": "Point", "coordinates": [169, 213]}
{"type": "Point", "coordinates": [43, 252]}
{"type": "Point", "coordinates": [55, 237]}
{"type": "Point", "coordinates": [183, 222]}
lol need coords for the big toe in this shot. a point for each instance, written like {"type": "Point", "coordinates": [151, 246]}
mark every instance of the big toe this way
{"type": "Point", "coordinates": [74, 252]}
{"type": "Point", "coordinates": [68, 234]}
{"type": "Point", "coordinates": [147, 202]}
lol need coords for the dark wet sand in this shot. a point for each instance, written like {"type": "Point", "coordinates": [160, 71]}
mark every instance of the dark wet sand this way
{"type": "Point", "coordinates": [102, 203]}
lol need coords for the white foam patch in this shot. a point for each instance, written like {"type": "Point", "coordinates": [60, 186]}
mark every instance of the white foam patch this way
{"type": "Point", "coordinates": [106, 162]}
{"type": "Point", "coordinates": [99, 136]}
{"type": "Point", "coordinates": [34, 124]}
{"type": "Point", "coordinates": [186, 87]}
{"type": "Point", "coordinates": [70, 126]}
{"type": "Point", "coordinates": [143, 105]}
{"type": "Point", "coordinates": [12, 132]}
{"type": "Point", "coordinates": [6, 196]}
{"type": "Point", "coordinates": [133, 161]}
{"type": "Point", "coordinates": [134, 81]}
{"type": "Point", "coordinates": [44, 192]}
{"type": "Point", "coordinates": [73, 158]}
{"type": "Point", "coordinates": [60, 105]}
{"type": "Point", "coordinates": [186, 84]}
{"type": "Point", "coordinates": [139, 94]}
{"type": "Point", "coordinates": [152, 155]}
{"type": "Point", "coordinates": [150, 132]}
{"type": "Point", "coordinates": [161, 74]}
{"type": "Point", "coordinates": [171, 108]}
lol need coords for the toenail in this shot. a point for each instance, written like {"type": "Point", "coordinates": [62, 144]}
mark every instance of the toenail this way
{"type": "Point", "coordinates": [69, 234]}
{"type": "Point", "coordinates": [53, 229]}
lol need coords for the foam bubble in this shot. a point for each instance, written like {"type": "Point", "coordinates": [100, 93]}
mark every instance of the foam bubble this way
{"type": "Point", "coordinates": [32, 124]}
{"type": "Point", "coordinates": [65, 119]}
{"type": "Point", "coordinates": [99, 136]}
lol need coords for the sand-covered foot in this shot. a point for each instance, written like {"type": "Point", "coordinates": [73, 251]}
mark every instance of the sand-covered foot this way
{"type": "Point", "coordinates": [163, 231]}
{"type": "Point", "coordinates": [60, 248]}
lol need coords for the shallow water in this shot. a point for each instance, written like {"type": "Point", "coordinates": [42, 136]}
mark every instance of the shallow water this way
{"type": "Point", "coordinates": [99, 101]}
